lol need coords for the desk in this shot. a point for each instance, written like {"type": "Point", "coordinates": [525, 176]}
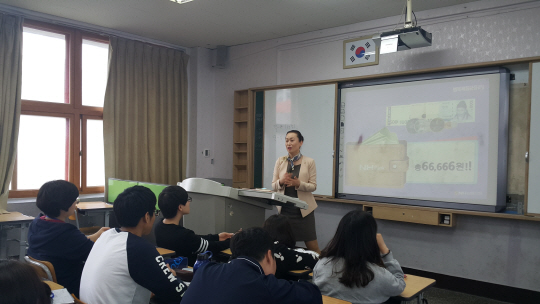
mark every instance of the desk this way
{"type": "Point", "coordinates": [10, 221]}
{"type": "Point", "coordinates": [61, 294]}
{"type": "Point", "coordinates": [53, 285]}
{"type": "Point", "coordinates": [330, 300]}
{"type": "Point", "coordinates": [87, 208]}
{"type": "Point", "coordinates": [415, 288]}
{"type": "Point", "coordinates": [165, 253]}
{"type": "Point", "coordinates": [301, 274]}
{"type": "Point", "coordinates": [227, 251]}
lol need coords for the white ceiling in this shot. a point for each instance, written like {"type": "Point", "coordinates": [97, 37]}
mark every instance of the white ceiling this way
{"type": "Point", "coordinates": [207, 23]}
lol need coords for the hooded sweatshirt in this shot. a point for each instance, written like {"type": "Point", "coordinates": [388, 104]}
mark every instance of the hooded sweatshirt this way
{"type": "Point", "coordinates": [63, 245]}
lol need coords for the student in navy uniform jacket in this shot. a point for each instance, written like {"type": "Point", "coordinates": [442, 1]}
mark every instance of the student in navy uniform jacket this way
{"type": "Point", "coordinates": [51, 239]}
{"type": "Point", "coordinates": [123, 268]}
{"type": "Point", "coordinates": [249, 278]}
{"type": "Point", "coordinates": [174, 203]}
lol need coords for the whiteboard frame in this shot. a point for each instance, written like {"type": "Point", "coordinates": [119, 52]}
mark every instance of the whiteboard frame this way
{"type": "Point", "coordinates": [502, 153]}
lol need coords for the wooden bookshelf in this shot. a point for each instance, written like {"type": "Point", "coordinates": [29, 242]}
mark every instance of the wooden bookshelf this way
{"type": "Point", "coordinates": [243, 139]}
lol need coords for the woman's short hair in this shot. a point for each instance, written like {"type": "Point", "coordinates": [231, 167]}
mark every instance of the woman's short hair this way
{"type": "Point", "coordinates": [55, 196]}
{"type": "Point", "coordinates": [280, 230]}
{"type": "Point", "coordinates": [19, 283]}
{"type": "Point", "coordinates": [132, 204]}
{"type": "Point", "coordinates": [355, 242]}
{"type": "Point", "coordinates": [298, 134]}
{"type": "Point", "coordinates": [169, 200]}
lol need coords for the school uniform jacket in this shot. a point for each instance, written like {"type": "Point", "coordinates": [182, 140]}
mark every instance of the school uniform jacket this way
{"type": "Point", "coordinates": [186, 243]}
{"type": "Point", "coordinates": [63, 245]}
{"type": "Point", "coordinates": [307, 177]}
{"type": "Point", "coordinates": [242, 281]}
{"type": "Point", "coordinates": [288, 259]}
{"type": "Point", "coordinates": [124, 268]}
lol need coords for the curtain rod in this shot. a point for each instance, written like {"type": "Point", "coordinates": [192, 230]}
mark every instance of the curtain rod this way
{"type": "Point", "coordinates": [37, 16]}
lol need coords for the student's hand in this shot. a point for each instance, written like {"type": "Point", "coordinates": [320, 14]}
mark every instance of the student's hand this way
{"type": "Point", "coordinates": [225, 235]}
{"type": "Point", "coordinates": [382, 246]}
{"type": "Point", "coordinates": [171, 270]}
{"type": "Point", "coordinates": [96, 235]}
{"type": "Point", "coordinates": [103, 229]}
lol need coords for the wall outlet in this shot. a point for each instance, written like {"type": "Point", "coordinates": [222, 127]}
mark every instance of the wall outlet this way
{"type": "Point", "coordinates": [206, 153]}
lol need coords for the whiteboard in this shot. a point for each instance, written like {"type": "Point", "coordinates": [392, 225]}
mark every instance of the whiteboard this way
{"type": "Point", "coordinates": [436, 140]}
{"type": "Point", "coordinates": [310, 110]}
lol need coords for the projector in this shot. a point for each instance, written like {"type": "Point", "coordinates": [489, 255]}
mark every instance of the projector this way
{"type": "Point", "coordinates": [404, 39]}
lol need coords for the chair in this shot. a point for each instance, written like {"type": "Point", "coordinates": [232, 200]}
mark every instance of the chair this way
{"type": "Point", "coordinates": [45, 269]}
{"type": "Point", "coordinates": [77, 301]}
{"type": "Point", "coordinates": [75, 217]}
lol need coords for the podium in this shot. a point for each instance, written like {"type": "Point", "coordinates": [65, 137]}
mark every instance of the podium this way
{"type": "Point", "coordinates": [216, 208]}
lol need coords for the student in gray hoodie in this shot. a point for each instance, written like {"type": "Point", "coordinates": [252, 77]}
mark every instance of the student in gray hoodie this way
{"type": "Point", "coordinates": [356, 265]}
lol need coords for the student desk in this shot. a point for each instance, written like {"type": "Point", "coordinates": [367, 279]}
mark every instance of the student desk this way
{"type": "Point", "coordinates": [87, 208]}
{"type": "Point", "coordinates": [227, 251]}
{"type": "Point", "coordinates": [415, 288]}
{"type": "Point", "coordinates": [56, 290]}
{"type": "Point", "coordinates": [53, 285]}
{"type": "Point", "coordinates": [165, 253]}
{"type": "Point", "coordinates": [330, 300]}
{"type": "Point", "coordinates": [10, 221]}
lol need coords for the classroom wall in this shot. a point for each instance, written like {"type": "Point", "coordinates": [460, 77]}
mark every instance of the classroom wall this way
{"type": "Point", "coordinates": [499, 251]}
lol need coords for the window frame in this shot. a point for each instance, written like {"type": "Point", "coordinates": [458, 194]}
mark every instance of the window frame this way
{"type": "Point", "coordinates": [72, 108]}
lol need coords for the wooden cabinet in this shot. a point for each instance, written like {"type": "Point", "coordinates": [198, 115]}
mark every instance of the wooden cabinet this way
{"type": "Point", "coordinates": [243, 139]}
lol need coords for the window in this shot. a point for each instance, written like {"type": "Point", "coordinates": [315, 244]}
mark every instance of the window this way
{"type": "Point", "coordinates": [64, 74]}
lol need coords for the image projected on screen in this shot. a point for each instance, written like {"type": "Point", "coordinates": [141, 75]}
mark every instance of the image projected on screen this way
{"type": "Point", "coordinates": [424, 140]}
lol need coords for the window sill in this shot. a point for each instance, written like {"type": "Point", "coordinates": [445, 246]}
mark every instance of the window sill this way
{"type": "Point", "coordinates": [83, 197]}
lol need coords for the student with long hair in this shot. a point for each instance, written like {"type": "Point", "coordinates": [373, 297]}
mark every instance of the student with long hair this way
{"type": "Point", "coordinates": [20, 284]}
{"type": "Point", "coordinates": [356, 265]}
{"type": "Point", "coordinates": [287, 256]}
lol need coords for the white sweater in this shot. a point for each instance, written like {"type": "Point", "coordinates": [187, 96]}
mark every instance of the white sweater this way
{"type": "Point", "coordinates": [388, 282]}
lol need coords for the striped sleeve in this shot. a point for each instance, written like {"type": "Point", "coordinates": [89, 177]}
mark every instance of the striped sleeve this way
{"type": "Point", "coordinates": [203, 246]}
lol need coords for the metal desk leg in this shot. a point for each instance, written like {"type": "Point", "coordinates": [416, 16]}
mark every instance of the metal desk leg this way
{"type": "Point", "coordinates": [420, 298]}
{"type": "Point", "coordinates": [107, 214]}
{"type": "Point", "coordinates": [3, 243]}
{"type": "Point", "coordinates": [77, 218]}
{"type": "Point", "coordinates": [22, 241]}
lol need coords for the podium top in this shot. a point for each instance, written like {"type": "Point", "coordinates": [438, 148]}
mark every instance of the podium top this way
{"type": "Point", "coordinates": [209, 187]}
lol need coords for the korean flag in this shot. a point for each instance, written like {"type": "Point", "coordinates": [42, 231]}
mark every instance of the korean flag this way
{"type": "Point", "coordinates": [360, 52]}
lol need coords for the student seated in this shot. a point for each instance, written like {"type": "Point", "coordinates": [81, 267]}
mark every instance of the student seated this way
{"type": "Point", "coordinates": [51, 239]}
{"type": "Point", "coordinates": [20, 284]}
{"type": "Point", "coordinates": [174, 203]}
{"type": "Point", "coordinates": [287, 256]}
{"type": "Point", "coordinates": [249, 278]}
{"type": "Point", "coordinates": [125, 268]}
{"type": "Point", "coordinates": [356, 265]}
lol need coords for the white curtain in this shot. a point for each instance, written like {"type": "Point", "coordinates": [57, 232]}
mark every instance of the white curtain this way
{"type": "Point", "coordinates": [10, 99]}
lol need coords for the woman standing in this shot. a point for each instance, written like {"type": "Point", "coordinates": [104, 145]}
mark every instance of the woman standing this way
{"type": "Point", "coordinates": [295, 175]}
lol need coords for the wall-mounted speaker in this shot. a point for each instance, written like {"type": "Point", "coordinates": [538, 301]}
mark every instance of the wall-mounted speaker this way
{"type": "Point", "coordinates": [221, 56]}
